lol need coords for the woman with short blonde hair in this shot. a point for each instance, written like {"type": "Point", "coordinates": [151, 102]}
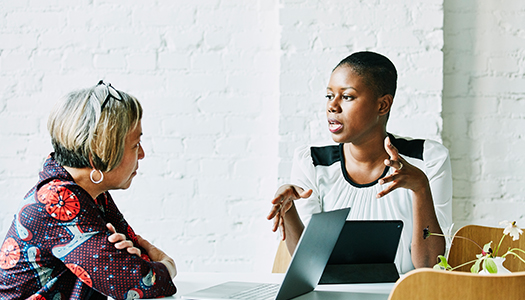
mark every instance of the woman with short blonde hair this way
{"type": "Point", "coordinates": [88, 128]}
{"type": "Point", "coordinates": [69, 240]}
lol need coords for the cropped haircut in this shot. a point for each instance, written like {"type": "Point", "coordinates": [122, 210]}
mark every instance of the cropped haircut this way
{"type": "Point", "coordinates": [378, 71]}
{"type": "Point", "coordinates": [81, 129]}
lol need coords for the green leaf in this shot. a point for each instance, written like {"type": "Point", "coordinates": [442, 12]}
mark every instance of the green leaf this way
{"type": "Point", "coordinates": [475, 266]}
{"type": "Point", "coordinates": [490, 266]}
{"type": "Point", "coordinates": [486, 248]}
{"type": "Point", "coordinates": [442, 264]}
{"type": "Point", "coordinates": [443, 260]}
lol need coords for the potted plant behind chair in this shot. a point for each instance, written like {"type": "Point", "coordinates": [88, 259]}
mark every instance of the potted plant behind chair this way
{"type": "Point", "coordinates": [488, 261]}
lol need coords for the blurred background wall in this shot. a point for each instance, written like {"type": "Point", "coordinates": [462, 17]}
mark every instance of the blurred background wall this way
{"type": "Point", "coordinates": [231, 87]}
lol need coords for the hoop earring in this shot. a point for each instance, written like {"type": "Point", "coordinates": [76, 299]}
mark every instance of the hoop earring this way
{"type": "Point", "coordinates": [93, 180]}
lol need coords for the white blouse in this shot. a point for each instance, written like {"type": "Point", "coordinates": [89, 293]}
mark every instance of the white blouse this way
{"type": "Point", "coordinates": [322, 169]}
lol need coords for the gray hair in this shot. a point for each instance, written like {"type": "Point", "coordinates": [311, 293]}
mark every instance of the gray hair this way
{"type": "Point", "coordinates": [85, 135]}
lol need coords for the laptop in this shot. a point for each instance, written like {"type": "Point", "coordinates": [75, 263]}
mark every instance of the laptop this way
{"type": "Point", "coordinates": [364, 253]}
{"type": "Point", "coordinates": [305, 269]}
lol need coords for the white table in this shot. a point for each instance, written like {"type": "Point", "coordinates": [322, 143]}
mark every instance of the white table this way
{"type": "Point", "coordinates": [190, 282]}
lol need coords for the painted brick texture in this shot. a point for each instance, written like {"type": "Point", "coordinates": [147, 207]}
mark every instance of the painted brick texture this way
{"type": "Point", "coordinates": [316, 35]}
{"type": "Point", "coordinates": [231, 87]}
{"type": "Point", "coordinates": [483, 109]}
{"type": "Point", "coordinates": [206, 73]}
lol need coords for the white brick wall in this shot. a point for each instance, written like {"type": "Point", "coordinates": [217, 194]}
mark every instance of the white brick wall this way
{"type": "Point", "coordinates": [317, 34]}
{"type": "Point", "coordinates": [206, 73]}
{"type": "Point", "coordinates": [483, 109]}
{"type": "Point", "coordinates": [231, 87]}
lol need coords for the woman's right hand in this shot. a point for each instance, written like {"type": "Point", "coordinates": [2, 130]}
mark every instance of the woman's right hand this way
{"type": "Point", "coordinates": [282, 203]}
{"type": "Point", "coordinates": [121, 242]}
{"type": "Point", "coordinates": [154, 253]}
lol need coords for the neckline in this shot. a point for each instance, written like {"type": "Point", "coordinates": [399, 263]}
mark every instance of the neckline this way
{"type": "Point", "coordinates": [347, 177]}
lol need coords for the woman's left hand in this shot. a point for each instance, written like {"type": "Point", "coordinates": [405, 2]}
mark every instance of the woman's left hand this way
{"type": "Point", "coordinates": [158, 255]}
{"type": "Point", "coordinates": [120, 242]}
{"type": "Point", "coordinates": [405, 175]}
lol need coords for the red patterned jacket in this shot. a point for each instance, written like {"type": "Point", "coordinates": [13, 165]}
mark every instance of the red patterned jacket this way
{"type": "Point", "coordinates": [58, 248]}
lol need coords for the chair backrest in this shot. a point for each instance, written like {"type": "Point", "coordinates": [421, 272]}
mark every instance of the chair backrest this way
{"type": "Point", "coordinates": [463, 250]}
{"type": "Point", "coordinates": [282, 259]}
{"type": "Point", "coordinates": [430, 284]}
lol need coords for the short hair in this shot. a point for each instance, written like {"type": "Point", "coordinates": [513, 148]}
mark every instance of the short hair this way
{"type": "Point", "coordinates": [81, 129]}
{"type": "Point", "coordinates": [377, 70]}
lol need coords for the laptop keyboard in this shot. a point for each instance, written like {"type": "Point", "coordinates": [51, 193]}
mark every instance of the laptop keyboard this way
{"type": "Point", "coordinates": [260, 292]}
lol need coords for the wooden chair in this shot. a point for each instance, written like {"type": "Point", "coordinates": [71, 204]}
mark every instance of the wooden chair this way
{"type": "Point", "coordinates": [282, 259]}
{"type": "Point", "coordinates": [430, 284]}
{"type": "Point", "coordinates": [463, 250]}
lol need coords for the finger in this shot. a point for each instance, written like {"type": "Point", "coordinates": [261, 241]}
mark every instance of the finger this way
{"type": "Point", "coordinates": [306, 194]}
{"type": "Point", "coordinates": [123, 244]}
{"type": "Point", "coordinates": [396, 164]}
{"type": "Point", "coordinates": [276, 207]}
{"type": "Point", "coordinates": [275, 224]}
{"type": "Point", "coordinates": [116, 237]}
{"type": "Point", "coordinates": [134, 250]}
{"type": "Point", "coordinates": [290, 195]}
{"type": "Point", "coordinates": [274, 211]}
{"type": "Point", "coordinates": [386, 191]}
{"type": "Point", "coordinates": [278, 199]}
{"type": "Point", "coordinates": [283, 231]}
{"type": "Point", "coordinates": [391, 149]}
{"type": "Point", "coordinates": [387, 179]}
{"type": "Point", "coordinates": [295, 192]}
{"type": "Point", "coordinates": [286, 195]}
{"type": "Point", "coordinates": [111, 227]}
{"type": "Point", "coordinates": [291, 192]}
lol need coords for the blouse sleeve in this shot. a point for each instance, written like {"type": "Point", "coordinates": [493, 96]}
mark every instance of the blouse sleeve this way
{"type": "Point", "coordinates": [303, 175]}
{"type": "Point", "coordinates": [439, 173]}
{"type": "Point", "coordinates": [115, 217]}
{"type": "Point", "coordinates": [79, 238]}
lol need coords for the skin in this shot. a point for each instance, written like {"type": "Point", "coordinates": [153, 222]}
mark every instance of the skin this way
{"type": "Point", "coordinates": [358, 119]}
{"type": "Point", "coordinates": [121, 178]}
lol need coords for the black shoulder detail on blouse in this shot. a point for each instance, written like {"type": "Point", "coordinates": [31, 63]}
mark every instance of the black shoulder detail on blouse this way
{"type": "Point", "coordinates": [326, 155]}
{"type": "Point", "coordinates": [411, 148]}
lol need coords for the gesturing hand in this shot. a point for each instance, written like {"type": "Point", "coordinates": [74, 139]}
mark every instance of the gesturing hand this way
{"type": "Point", "coordinates": [282, 202]}
{"type": "Point", "coordinates": [120, 242]}
{"type": "Point", "coordinates": [405, 175]}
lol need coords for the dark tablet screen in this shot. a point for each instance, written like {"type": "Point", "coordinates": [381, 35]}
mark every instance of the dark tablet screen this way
{"type": "Point", "coordinates": [367, 242]}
